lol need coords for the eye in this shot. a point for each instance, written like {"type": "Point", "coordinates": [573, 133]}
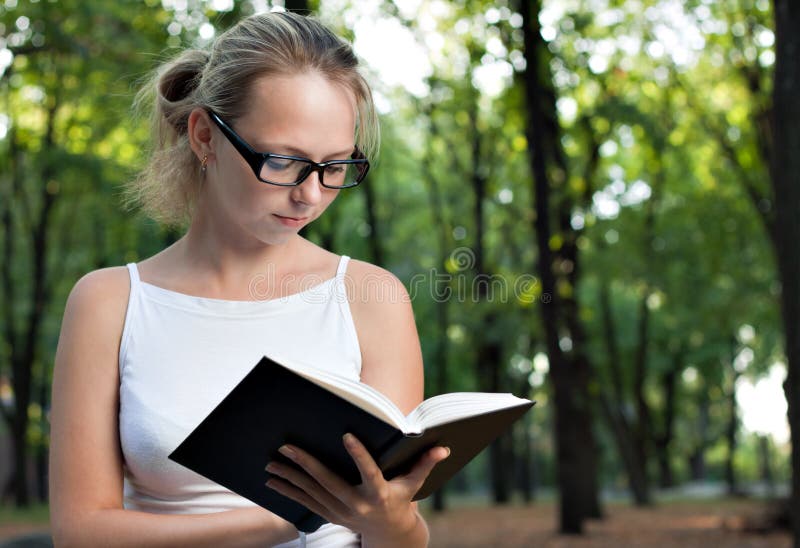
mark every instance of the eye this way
{"type": "Point", "coordinates": [335, 169]}
{"type": "Point", "coordinates": [278, 163]}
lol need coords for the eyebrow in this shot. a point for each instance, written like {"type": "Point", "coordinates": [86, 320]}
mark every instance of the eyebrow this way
{"type": "Point", "coordinates": [294, 151]}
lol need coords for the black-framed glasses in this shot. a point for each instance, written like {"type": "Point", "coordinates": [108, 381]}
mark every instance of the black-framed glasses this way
{"type": "Point", "coordinates": [283, 170]}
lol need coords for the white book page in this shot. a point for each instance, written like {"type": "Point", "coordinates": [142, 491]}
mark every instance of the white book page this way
{"type": "Point", "coordinates": [459, 405]}
{"type": "Point", "coordinates": [359, 394]}
{"type": "Point", "coordinates": [431, 412]}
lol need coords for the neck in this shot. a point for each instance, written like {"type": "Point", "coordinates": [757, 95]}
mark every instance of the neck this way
{"type": "Point", "coordinates": [228, 259]}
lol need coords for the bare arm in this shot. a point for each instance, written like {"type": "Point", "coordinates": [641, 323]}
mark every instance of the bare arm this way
{"type": "Point", "coordinates": [86, 458]}
{"type": "Point", "coordinates": [391, 356]}
{"type": "Point", "coordinates": [380, 510]}
{"type": "Point", "coordinates": [390, 349]}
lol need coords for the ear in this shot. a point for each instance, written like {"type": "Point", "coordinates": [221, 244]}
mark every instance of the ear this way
{"type": "Point", "coordinates": [200, 133]}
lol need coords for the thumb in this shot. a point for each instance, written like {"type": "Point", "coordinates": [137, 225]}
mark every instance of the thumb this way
{"type": "Point", "coordinates": [416, 477]}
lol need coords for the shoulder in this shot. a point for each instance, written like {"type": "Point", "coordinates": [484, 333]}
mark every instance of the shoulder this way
{"type": "Point", "coordinates": [88, 344]}
{"type": "Point", "coordinates": [374, 287]}
{"type": "Point", "coordinates": [105, 286]}
{"type": "Point", "coordinates": [97, 304]}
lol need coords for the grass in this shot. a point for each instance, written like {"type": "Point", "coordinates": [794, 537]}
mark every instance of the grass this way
{"type": "Point", "coordinates": [37, 513]}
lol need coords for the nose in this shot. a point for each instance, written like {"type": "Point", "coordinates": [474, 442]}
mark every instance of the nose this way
{"type": "Point", "coordinates": [309, 191]}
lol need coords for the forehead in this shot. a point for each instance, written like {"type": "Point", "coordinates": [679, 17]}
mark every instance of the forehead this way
{"type": "Point", "coordinates": [306, 110]}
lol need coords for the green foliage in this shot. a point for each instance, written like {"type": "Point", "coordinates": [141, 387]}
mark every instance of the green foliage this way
{"type": "Point", "coordinates": [665, 213]}
{"type": "Point", "coordinates": [38, 514]}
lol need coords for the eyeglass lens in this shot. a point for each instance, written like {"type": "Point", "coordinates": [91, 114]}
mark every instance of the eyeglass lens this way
{"type": "Point", "coordinates": [288, 171]}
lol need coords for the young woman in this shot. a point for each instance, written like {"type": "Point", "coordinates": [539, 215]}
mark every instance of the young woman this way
{"type": "Point", "coordinates": [254, 140]}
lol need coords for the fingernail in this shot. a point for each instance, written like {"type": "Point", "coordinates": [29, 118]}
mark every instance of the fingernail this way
{"type": "Point", "coordinates": [287, 451]}
{"type": "Point", "coordinates": [273, 468]}
{"type": "Point", "coordinates": [349, 439]}
{"type": "Point", "coordinates": [448, 452]}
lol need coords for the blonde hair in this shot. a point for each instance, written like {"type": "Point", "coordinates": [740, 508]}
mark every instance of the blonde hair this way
{"type": "Point", "coordinates": [261, 45]}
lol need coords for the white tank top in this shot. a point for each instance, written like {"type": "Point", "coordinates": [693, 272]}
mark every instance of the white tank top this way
{"type": "Point", "coordinates": [180, 355]}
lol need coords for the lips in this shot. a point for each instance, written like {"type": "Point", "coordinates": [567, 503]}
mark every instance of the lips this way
{"type": "Point", "coordinates": [291, 221]}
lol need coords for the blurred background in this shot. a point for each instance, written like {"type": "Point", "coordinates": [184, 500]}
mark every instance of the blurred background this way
{"type": "Point", "coordinates": [582, 196]}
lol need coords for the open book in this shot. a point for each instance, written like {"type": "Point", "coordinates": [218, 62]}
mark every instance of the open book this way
{"type": "Point", "coordinates": [278, 403]}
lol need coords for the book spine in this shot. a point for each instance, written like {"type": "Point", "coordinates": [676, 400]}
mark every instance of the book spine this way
{"type": "Point", "coordinates": [385, 451]}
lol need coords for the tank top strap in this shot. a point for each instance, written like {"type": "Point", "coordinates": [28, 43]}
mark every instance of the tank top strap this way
{"type": "Point", "coordinates": [340, 297]}
{"type": "Point", "coordinates": [130, 313]}
{"type": "Point", "coordinates": [134, 273]}
{"type": "Point", "coordinates": [343, 260]}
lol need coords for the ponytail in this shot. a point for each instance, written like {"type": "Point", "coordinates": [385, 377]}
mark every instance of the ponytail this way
{"type": "Point", "coordinates": [167, 187]}
{"type": "Point", "coordinates": [175, 88]}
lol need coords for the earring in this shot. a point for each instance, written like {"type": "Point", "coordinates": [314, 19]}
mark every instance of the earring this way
{"type": "Point", "coordinates": [203, 163]}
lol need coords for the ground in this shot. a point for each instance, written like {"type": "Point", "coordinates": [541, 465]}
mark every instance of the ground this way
{"type": "Point", "coordinates": [683, 524]}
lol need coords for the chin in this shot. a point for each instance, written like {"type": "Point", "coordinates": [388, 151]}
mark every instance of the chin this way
{"type": "Point", "coordinates": [277, 239]}
{"type": "Point", "coordinates": [269, 234]}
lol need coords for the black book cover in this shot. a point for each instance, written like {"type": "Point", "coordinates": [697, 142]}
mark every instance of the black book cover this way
{"type": "Point", "coordinates": [273, 406]}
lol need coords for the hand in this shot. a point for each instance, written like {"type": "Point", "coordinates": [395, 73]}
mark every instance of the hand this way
{"type": "Point", "coordinates": [376, 507]}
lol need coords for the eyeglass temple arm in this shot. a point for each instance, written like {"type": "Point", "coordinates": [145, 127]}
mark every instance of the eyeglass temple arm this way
{"type": "Point", "coordinates": [254, 159]}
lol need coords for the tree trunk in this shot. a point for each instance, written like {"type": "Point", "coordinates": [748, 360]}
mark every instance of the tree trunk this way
{"type": "Point", "coordinates": [617, 387]}
{"type": "Point", "coordinates": [785, 175]}
{"type": "Point", "coordinates": [578, 358]}
{"type": "Point", "coordinates": [489, 359]}
{"type": "Point", "coordinates": [697, 459]}
{"type": "Point", "coordinates": [569, 377]}
{"type": "Point", "coordinates": [489, 351]}
{"type": "Point", "coordinates": [624, 442]}
{"type": "Point", "coordinates": [441, 287]}
{"type": "Point", "coordinates": [664, 440]}
{"type": "Point", "coordinates": [642, 428]}
{"type": "Point", "coordinates": [623, 432]}
{"type": "Point", "coordinates": [42, 452]}
{"type": "Point", "coordinates": [9, 296]}
{"type": "Point", "coordinates": [24, 345]}
{"type": "Point", "coordinates": [20, 452]}
{"type": "Point", "coordinates": [765, 465]}
{"type": "Point", "coordinates": [579, 364]}
{"type": "Point", "coordinates": [525, 464]}
{"type": "Point", "coordinates": [697, 464]}
{"type": "Point", "coordinates": [730, 437]}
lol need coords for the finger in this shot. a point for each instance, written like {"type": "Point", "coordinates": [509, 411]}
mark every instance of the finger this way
{"type": "Point", "coordinates": [298, 495]}
{"type": "Point", "coordinates": [371, 475]}
{"type": "Point", "coordinates": [307, 485]}
{"type": "Point", "coordinates": [419, 473]}
{"type": "Point", "coordinates": [331, 482]}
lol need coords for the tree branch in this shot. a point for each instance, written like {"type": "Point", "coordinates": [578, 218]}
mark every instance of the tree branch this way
{"type": "Point", "coordinates": [754, 191]}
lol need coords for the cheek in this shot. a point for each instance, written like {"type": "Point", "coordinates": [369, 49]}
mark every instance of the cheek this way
{"type": "Point", "coordinates": [259, 199]}
{"type": "Point", "coordinates": [240, 190]}
{"type": "Point", "coordinates": [237, 196]}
